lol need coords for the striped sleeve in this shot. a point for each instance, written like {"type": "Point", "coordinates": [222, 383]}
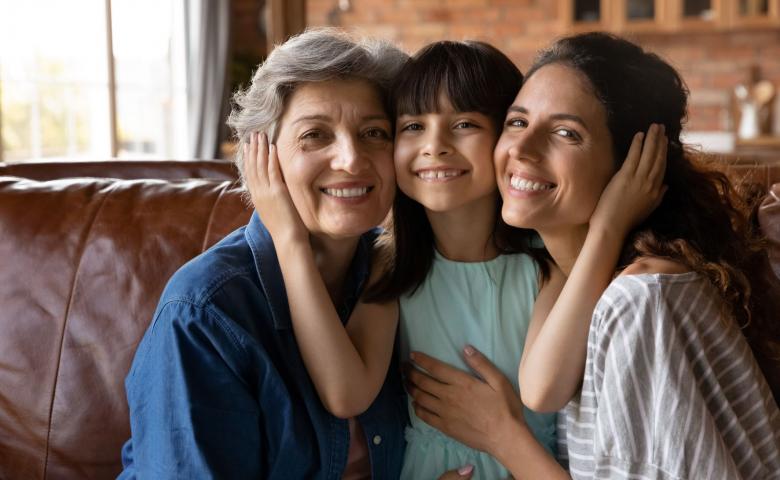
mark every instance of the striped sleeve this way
{"type": "Point", "coordinates": [671, 389]}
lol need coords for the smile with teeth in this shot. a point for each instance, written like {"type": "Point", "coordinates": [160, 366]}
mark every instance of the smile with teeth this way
{"type": "Point", "coordinates": [346, 192]}
{"type": "Point", "coordinates": [439, 174]}
{"type": "Point", "coordinates": [525, 185]}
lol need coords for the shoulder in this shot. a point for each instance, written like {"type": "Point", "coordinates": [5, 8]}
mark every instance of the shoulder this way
{"type": "Point", "coordinates": [197, 281]}
{"type": "Point", "coordinates": [638, 304]}
{"type": "Point", "coordinates": [654, 265]}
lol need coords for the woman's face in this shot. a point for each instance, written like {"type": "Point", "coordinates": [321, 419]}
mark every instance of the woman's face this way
{"type": "Point", "coordinates": [443, 160]}
{"type": "Point", "coordinates": [336, 154]}
{"type": "Point", "coordinates": [554, 157]}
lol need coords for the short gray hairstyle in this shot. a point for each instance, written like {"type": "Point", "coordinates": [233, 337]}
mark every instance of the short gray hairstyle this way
{"type": "Point", "coordinates": [315, 55]}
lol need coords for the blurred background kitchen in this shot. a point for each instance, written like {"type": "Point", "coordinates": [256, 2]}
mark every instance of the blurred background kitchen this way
{"type": "Point", "coordinates": [151, 79]}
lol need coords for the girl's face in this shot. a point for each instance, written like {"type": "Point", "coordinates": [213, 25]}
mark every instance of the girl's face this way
{"type": "Point", "coordinates": [443, 160]}
{"type": "Point", "coordinates": [335, 152]}
{"type": "Point", "coordinates": [554, 157]}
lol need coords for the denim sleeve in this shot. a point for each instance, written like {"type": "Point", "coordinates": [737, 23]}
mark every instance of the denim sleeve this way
{"type": "Point", "coordinates": [192, 410]}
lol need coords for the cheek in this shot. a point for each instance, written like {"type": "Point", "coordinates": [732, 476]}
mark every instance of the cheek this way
{"type": "Point", "coordinates": [300, 174]}
{"type": "Point", "coordinates": [403, 154]}
{"type": "Point", "coordinates": [385, 169]}
{"type": "Point", "coordinates": [500, 155]}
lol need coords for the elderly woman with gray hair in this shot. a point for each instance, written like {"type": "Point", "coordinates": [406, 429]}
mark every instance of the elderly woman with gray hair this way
{"type": "Point", "coordinates": [218, 388]}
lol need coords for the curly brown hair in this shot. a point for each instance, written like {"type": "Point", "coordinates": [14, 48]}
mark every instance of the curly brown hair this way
{"type": "Point", "coordinates": [703, 222]}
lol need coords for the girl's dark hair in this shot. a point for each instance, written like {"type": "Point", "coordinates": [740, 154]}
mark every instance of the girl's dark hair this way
{"type": "Point", "coordinates": [474, 77]}
{"type": "Point", "coordinates": [703, 222]}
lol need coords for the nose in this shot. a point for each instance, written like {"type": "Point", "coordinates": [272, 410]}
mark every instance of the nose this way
{"type": "Point", "coordinates": [436, 144]}
{"type": "Point", "coordinates": [525, 145]}
{"type": "Point", "coordinates": [348, 156]}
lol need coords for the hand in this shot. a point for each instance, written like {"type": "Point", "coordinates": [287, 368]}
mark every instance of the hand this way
{"type": "Point", "coordinates": [269, 193]}
{"type": "Point", "coordinates": [637, 188]}
{"type": "Point", "coordinates": [481, 414]}
{"type": "Point", "coordinates": [464, 472]}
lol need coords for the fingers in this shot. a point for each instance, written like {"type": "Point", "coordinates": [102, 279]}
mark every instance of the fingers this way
{"type": "Point", "coordinates": [417, 380]}
{"type": "Point", "coordinates": [658, 169]}
{"type": "Point", "coordinates": [649, 149]}
{"type": "Point", "coordinates": [438, 369]}
{"type": "Point", "coordinates": [274, 170]}
{"type": "Point", "coordinates": [255, 167]}
{"type": "Point", "coordinates": [634, 151]}
{"type": "Point", "coordinates": [463, 472]}
{"type": "Point", "coordinates": [427, 416]}
{"type": "Point", "coordinates": [425, 400]}
{"type": "Point", "coordinates": [484, 367]}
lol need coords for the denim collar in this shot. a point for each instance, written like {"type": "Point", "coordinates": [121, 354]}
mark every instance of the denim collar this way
{"type": "Point", "coordinates": [270, 274]}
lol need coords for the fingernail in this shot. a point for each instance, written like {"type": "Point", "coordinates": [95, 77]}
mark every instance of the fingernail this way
{"type": "Point", "coordinates": [465, 470]}
{"type": "Point", "coordinates": [469, 350]}
{"type": "Point", "coordinates": [412, 356]}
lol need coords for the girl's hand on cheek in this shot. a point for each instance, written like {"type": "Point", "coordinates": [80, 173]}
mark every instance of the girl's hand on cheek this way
{"type": "Point", "coordinates": [637, 188]}
{"type": "Point", "coordinates": [479, 413]}
{"type": "Point", "coordinates": [269, 193]}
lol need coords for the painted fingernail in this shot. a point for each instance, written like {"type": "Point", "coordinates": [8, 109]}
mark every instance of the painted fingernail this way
{"type": "Point", "coordinates": [465, 470]}
{"type": "Point", "coordinates": [469, 350]}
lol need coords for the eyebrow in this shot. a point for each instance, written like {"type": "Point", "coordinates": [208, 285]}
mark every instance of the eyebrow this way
{"type": "Point", "coordinates": [554, 116]}
{"type": "Point", "coordinates": [325, 118]}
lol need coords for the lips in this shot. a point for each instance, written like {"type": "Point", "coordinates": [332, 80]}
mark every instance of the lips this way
{"type": "Point", "coordinates": [525, 184]}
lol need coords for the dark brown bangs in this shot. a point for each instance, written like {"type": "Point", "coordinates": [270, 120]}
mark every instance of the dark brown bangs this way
{"type": "Point", "coordinates": [474, 76]}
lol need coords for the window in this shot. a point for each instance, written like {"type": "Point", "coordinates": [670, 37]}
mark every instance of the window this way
{"type": "Point", "coordinates": [63, 95]}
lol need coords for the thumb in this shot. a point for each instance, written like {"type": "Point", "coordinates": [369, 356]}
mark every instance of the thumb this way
{"type": "Point", "coordinates": [484, 367]}
{"type": "Point", "coordinates": [465, 471]}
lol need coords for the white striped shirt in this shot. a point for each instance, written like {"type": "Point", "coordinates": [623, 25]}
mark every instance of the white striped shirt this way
{"type": "Point", "coordinates": [671, 389]}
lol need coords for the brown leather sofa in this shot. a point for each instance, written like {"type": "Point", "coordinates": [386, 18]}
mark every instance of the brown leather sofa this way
{"type": "Point", "coordinates": [85, 251]}
{"type": "Point", "coordinates": [83, 261]}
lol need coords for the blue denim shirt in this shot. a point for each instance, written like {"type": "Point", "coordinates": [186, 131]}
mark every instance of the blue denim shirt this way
{"type": "Point", "coordinates": [218, 388]}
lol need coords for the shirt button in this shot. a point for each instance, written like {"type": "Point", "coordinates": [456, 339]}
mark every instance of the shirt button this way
{"type": "Point", "coordinates": [377, 439]}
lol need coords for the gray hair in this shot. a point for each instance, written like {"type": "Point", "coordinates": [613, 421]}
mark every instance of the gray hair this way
{"type": "Point", "coordinates": [315, 55]}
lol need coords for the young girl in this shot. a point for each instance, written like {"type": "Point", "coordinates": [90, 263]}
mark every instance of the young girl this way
{"type": "Point", "coordinates": [459, 274]}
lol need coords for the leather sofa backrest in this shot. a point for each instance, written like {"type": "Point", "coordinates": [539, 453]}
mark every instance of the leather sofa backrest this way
{"type": "Point", "coordinates": [83, 263]}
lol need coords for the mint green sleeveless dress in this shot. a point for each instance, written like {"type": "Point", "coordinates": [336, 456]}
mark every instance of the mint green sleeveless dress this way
{"type": "Point", "coordinates": [484, 304]}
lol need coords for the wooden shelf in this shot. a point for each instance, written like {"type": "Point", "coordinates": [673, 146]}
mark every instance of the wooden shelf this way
{"type": "Point", "coordinates": [669, 17]}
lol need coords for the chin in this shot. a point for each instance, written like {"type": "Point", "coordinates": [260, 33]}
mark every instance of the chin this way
{"type": "Point", "coordinates": [352, 228]}
{"type": "Point", "coordinates": [515, 218]}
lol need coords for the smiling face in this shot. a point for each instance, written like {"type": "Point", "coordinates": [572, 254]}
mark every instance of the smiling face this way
{"type": "Point", "coordinates": [336, 154]}
{"type": "Point", "coordinates": [554, 157]}
{"type": "Point", "coordinates": [443, 160]}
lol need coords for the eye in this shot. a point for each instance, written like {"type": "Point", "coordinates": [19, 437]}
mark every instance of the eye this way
{"type": "Point", "coordinates": [412, 127]}
{"type": "Point", "coordinates": [376, 133]}
{"type": "Point", "coordinates": [465, 124]}
{"type": "Point", "coordinates": [567, 133]}
{"type": "Point", "coordinates": [312, 135]}
{"type": "Point", "coordinates": [516, 122]}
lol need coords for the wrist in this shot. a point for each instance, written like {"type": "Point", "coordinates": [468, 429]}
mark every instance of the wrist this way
{"type": "Point", "coordinates": [607, 235]}
{"type": "Point", "coordinates": [292, 246]}
{"type": "Point", "coordinates": [506, 440]}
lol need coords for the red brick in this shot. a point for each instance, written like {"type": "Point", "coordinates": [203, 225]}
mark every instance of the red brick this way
{"type": "Point", "coordinates": [441, 15]}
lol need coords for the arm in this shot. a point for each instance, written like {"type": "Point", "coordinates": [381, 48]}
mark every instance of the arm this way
{"type": "Point", "coordinates": [485, 415]}
{"type": "Point", "coordinates": [347, 366]}
{"type": "Point", "coordinates": [191, 413]}
{"type": "Point", "coordinates": [553, 360]}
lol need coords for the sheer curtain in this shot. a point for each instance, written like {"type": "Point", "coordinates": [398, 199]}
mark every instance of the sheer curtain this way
{"type": "Point", "coordinates": [207, 31]}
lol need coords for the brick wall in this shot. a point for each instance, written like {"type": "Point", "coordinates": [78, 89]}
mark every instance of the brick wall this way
{"type": "Point", "coordinates": [711, 63]}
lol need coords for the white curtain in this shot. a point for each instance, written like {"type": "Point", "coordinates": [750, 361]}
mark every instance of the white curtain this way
{"type": "Point", "coordinates": [207, 32]}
